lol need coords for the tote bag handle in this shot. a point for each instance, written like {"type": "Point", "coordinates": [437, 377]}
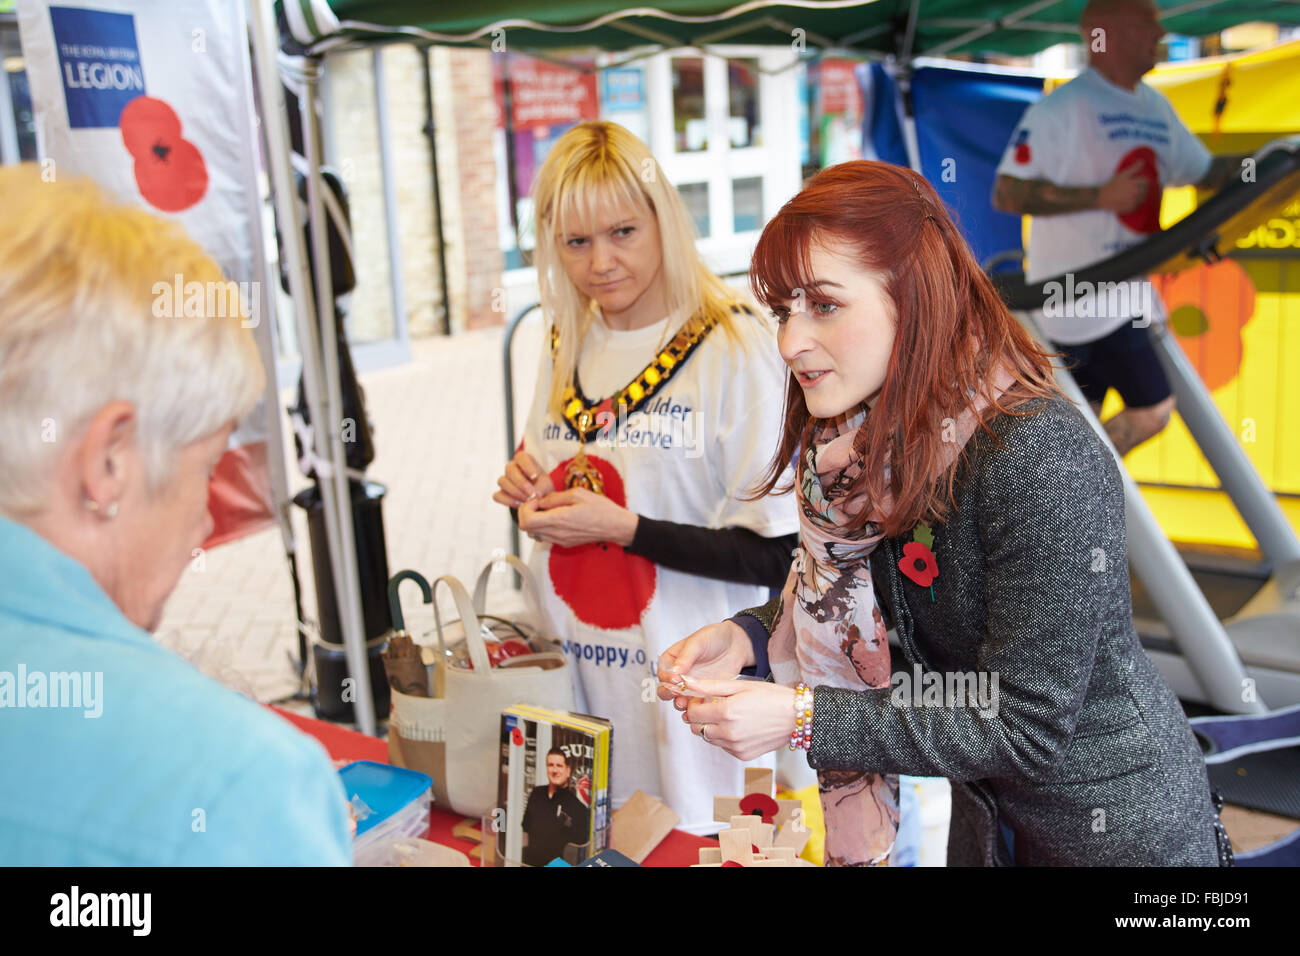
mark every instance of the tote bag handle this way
{"type": "Point", "coordinates": [532, 599]}
{"type": "Point", "coordinates": [478, 654]}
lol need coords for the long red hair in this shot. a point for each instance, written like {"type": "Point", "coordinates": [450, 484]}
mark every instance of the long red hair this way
{"type": "Point", "coordinates": [943, 303]}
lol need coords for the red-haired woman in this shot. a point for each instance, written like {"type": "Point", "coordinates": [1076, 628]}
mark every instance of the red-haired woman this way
{"type": "Point", "coordinates": [940, 473]}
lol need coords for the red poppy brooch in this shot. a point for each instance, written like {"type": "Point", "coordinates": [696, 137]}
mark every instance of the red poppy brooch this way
{"type": "Point", "coordinates": [918, 561]}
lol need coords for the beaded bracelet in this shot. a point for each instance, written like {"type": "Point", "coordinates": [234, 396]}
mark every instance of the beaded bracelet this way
{"type": "Point", "coordinates": [801, 739]}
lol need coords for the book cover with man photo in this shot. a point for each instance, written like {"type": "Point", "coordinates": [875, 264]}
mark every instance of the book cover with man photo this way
{"type": "Point", "coordinates": [554, 786]}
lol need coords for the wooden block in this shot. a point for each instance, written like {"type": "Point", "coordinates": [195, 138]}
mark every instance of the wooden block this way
{"type": "Point", "coordinates": [771, 862]}
{"type": "Point", "coordinates": [786, 812]}
{"type": "Point", "coordinates": [711, 854]}
{"type": "Point", "coordinates": [736, 845]}
{"type": "Point", "coordinates": [468, 830]}
{"type": "Point", "coordinates": [746, 821]}
{"type": "Point", "coordinates": [488, 856]}
{"type": "Point", "coordinates": [640, 825]}
{"type": "Point", "coordinates": [781, 853]}
{"type": "Point", "coordinates": [764, 833]}
{"type": "Point", "coordinates": [724, 808]}
{"type": "Point", "coordinates": [793, 836]}
{"type": "Point", "coordinates": [759, 780]}
{"type": "Point", "coordinates": [697, 865]}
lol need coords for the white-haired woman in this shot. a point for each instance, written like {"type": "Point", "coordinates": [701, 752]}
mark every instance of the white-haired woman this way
{"type": "Point", "coordinates": [113, 414]}
{"type": "Point", "coordinates": [647, 427]}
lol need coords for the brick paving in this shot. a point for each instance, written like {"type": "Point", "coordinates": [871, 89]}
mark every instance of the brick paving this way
{"type": "Point", "coordinates": [440, 445]}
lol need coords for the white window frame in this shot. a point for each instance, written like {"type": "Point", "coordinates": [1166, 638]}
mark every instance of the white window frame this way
{"type": "Point", "coordinates": [776, 161]}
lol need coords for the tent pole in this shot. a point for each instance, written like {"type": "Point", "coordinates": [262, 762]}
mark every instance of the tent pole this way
{"type": "Point", "coordinates": [1195, 627]}
{"type": "Point", "coordinates": [431, 131]}
{"type": "Point", "coordinates": [265, 334]}
{"type": "Point", "coordinates": [903, 84]}
{"type": "Point", "coordinates": [328, 415]}
{"type": "Point", "coordinates": [275, 125]}
{"type": "Point", "coordinates": [1196, 630]}
{"type": "Point", "coordinates": [9, 151]}
{"type": "Point", "coordinates": [902, 76]}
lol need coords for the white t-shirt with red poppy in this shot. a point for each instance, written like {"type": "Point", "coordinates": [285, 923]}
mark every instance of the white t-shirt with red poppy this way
{"type": "Point", "coordinates": [686, 456]}
{"type": "Point", "coordinates": [1081, 135]}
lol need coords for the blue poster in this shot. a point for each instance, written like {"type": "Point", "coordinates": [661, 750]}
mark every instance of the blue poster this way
{"type": "Point", "coordinates": [99, 63]}
{"type": "Point", "coordinates": [622, 89]}
{"type": "Point", "coordinates": [964, 118]}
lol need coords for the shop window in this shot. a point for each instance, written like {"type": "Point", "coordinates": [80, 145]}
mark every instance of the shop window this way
{"type": "Point", "coordinates": [696, 197]}
{"type": "Point", "coordinates": [747, 204]}
{"type": "Point", "coordinates": [744, 127]}
{"type": "Point", "coordinates": [690, 126]}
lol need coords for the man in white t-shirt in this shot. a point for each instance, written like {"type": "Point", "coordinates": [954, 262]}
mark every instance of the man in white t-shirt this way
{"type": "Point", "coordinates": [1089, 162]}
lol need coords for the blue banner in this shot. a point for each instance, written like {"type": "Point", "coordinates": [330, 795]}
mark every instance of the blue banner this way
{"type": "Point", "coordinates": [964, 119]}
{"type": "Point", "coordinates": [99, 63]}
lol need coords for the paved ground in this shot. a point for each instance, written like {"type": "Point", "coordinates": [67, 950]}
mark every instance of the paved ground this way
{"type": "Point", "coordinates": [440, 444]}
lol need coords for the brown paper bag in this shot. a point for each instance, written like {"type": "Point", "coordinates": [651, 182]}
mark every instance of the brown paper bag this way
{"type": "Point", "coordinates": [405, 667]}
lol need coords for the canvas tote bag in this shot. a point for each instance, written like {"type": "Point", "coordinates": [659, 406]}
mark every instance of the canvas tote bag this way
{"type": "Point", "coordinates": [455, 735]}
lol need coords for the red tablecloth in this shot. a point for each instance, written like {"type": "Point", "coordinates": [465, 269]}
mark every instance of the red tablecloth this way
{"type": "Point", "coordinates": [678, 848]}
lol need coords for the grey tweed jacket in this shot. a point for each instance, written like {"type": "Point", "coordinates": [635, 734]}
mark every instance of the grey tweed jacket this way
{"type": "Point", "coordinates": [1084, 755]}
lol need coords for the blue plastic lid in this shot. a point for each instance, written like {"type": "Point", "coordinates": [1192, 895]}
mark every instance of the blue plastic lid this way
{"type": "Point", "coordinates": [385, 789]}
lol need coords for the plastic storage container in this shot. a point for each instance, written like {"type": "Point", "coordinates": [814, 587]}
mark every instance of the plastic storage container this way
{"type": "Point", "coordinates": [391, 803]}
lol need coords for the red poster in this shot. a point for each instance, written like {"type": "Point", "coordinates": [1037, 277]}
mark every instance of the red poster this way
{"type": "Point", "coordinates": [543, 94]}
{"type": "Point", "coordinates": [839, 87]}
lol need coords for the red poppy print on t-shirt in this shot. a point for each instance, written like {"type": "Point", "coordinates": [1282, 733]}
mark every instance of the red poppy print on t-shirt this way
{"type": "Point", "coordinates": [601, 583]}
{"type": "Point", "coordinates": [1146, 217]}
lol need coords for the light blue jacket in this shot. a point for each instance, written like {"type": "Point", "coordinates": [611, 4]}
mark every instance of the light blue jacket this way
{"type": "Point", "coordinates": [144, 761]}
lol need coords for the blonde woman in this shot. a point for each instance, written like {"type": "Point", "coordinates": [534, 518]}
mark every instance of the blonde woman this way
{"type": "Point", "coordinates": [112, 417]}
{"type": "Point", "coordinates": [650, 422]}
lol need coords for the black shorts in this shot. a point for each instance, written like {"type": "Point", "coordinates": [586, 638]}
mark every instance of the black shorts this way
{"type": "Point", "coordinates": [1124, 360]}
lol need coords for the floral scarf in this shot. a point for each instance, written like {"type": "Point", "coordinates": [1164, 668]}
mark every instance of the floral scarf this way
{"type": "Point", "coordinates": [829, 631]}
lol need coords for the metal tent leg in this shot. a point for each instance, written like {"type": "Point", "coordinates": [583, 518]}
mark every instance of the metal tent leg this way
{"type": "Point", "coordinates": [508, 363]}
{"type": "Point", "coordinates": [1196, 629]}
{"type": "Point", "coordinates": [322, 384]}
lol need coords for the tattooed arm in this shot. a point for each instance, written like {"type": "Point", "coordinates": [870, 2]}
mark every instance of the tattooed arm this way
{"type": "Point", "coordinates": [1223, 169]}
{"type": "Point", "coordinates": [1037, 197]}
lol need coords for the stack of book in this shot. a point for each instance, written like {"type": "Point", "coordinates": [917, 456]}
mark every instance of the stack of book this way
{"type": "Point", "coordinates": [553, 798]}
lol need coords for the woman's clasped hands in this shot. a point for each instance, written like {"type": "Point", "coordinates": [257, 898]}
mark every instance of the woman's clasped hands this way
{"type": "Point", "coordinates": [567, 518]}
{"type": "Point", "coordinates": [746, 718]}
